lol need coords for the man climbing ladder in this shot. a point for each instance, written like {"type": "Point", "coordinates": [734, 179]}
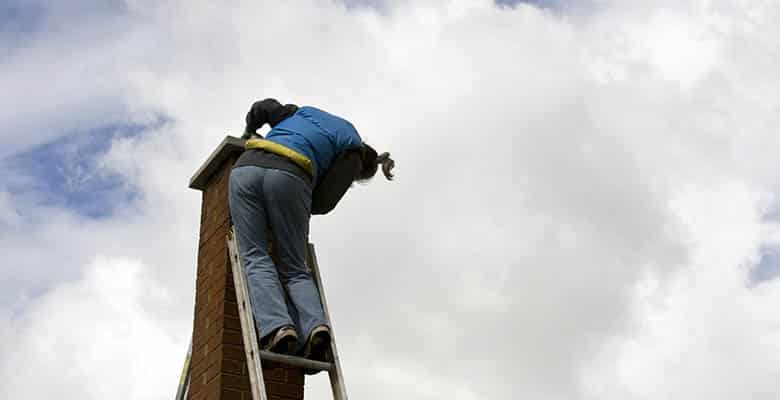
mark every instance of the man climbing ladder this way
{"type": "Point", "coordinates": [303, 166]}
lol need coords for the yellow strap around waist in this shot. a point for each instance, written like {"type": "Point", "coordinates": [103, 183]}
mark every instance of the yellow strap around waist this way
{"type": "Point", "coordinates": [277, 148]}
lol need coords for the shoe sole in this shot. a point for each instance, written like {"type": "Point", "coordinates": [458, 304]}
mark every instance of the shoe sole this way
{"type": "Point", "coordinates": [320, 347]}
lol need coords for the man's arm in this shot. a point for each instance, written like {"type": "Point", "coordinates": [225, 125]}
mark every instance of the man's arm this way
{"type": "Point", "coordinates": [339, 177]}
{"type": "Point", "coordinates": [268, 111]}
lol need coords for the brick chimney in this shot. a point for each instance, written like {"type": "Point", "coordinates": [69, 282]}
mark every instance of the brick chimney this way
{"type": "Point", "coordinates": [218, 365]}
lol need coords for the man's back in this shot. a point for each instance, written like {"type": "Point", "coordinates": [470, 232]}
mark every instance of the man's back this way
{"type": "Point", "coordinates": [316, 134]}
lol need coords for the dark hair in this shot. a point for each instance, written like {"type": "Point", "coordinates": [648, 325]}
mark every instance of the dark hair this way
{"type": "Point", "coordinates": [370, 164]}
{"type": "Point", "coordinates": [268, 111]}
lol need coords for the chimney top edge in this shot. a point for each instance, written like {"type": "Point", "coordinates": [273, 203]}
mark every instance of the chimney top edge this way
{"type": "Point", "coordinates": [229, 145]}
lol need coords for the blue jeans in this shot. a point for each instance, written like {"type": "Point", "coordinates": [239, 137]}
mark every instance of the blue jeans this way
{"type": "Point", "coordinates": [283, 294]}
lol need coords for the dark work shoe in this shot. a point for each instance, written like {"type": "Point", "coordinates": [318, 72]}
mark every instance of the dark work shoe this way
{"type": "Point", "coordinates": [318, 346]}
{"type": "Point", "coordinates": [283, 341]}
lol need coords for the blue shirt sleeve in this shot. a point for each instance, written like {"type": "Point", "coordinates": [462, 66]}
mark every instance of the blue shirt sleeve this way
{"type": "Point", "coordinates": [348, 138]}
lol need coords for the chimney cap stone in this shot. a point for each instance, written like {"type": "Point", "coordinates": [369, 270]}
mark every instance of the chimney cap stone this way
{"type": "Point", "coordinates": [229, 146]}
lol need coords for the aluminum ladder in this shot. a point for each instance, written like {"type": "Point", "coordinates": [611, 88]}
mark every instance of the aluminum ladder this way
{"type": "Point", "coordinates": [255, 356]}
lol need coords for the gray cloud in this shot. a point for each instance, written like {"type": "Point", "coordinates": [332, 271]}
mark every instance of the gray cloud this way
{"type": "Point", "coordinates": [62, 69]}
{"type": "Point", "coordinates": [577, 206]}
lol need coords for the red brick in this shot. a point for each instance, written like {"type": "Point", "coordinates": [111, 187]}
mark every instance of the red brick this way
{"type": "Point", "coordinates": [231, 309]}
{"type": "Point", "coordinates": [211, 249]}
{"type": "Point", "coordinates": [210, 392]}
{"type": "Point", "coordinates": [274, 374]}
{"type": "Point", "coordinates": [229, 295]}
{"type": "Point", "coordinates": [220, 293]}
{"type": "Point", "coordinates": [208, 309]}
{"type": "Point", "coordinates": [295, 376]}
{"type": "Point", "coordinates": [233, 352]}
{"type": "Point", "coordinates": [212, 371]}
{"type": "Point", "coordinates": [218, 282]}
{"type": "Point", "coordinates": [214, 356]}
{"type": "Point", "coordinates": [219, 230]}
{"type": "Point", "coordinates": [212, 321]}
{"type": "Point", "coordinates": [232, 322]}
{"type": "Point", "coordinates": [217, 270]}
{"type": "Point", "coordinates": [234, 367]}
{"type": "Point", "coordinates": [232, 337]}
{"type": "Point", "coordinates": [229, 394]}
{"type": "Point", "coordinates": [269, 365]}
{"type": "Point", "coordinates": [235, 381]}
{"type": "Point", "coordinates": [285, 390]}
{"type": "Point", "coordinates": [196, 383]}
{"type": "Point", "coordinates": [199, 364]}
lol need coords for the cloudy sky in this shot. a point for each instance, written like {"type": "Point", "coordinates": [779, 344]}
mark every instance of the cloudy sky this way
{"type": "Point", "coordinates": [586, 204]}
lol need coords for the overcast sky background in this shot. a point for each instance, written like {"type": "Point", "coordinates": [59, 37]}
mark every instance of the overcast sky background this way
{"type": "Point", "coordinates": [586, 204]}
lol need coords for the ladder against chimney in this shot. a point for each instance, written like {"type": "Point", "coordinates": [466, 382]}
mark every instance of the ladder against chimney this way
{"type": "Point", "coordinates": [254, 355]}
{"type": "Point", "coordinates": [224, 361]}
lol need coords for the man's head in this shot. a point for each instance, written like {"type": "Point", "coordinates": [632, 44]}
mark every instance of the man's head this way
{"type": "Point", "coordinates": [268, 111]}
{"type": "Point", "coordinates": [370, 161]}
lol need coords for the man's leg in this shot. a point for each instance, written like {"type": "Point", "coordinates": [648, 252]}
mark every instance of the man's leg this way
{"type": "Point", "coordinates": [289, 203]}
{"type": "Point", "coordinates": [247, 209]}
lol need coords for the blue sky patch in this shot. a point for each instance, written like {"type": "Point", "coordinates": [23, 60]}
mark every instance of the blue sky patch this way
{"type": "Point", "coordinates": [557, 6]}
{"type": "Point", "coordinates": [66, 172]}
{"type": "Point", "coordinates": [768, 268]}
{"type": "Point", "coordinates": [17, 22]}
{"type": "Point", "coordinates": [23, 20]}
{"type": "Point", "coordinates": [540, 3]}
{"type": "Point", "coordinates": [382, 4]}
{"type": "Point", "coordinates": [18, 17]}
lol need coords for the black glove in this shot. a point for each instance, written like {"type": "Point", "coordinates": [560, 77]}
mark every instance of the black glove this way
{"type": "Point", "coordinates": [266, 111]}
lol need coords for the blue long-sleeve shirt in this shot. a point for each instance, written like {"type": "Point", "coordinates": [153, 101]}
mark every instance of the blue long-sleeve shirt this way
{"type": "Point", "coordinates": [317, 135]}
{"type": "Point", "coordinates": [309, 143]}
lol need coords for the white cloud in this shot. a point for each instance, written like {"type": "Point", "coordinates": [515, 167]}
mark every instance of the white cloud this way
{"type": "Point", "coordinates": [579, 204]}
{"type": "Point", "coordinates": [705, 333]}
{"type": "Point", "coordinates": [98, 337]}
{"type": "Point", "coordinates": [66, 76]}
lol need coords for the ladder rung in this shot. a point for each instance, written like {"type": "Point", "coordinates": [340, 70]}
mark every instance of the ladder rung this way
{"type": "Point", "coordinates": [295, 361]}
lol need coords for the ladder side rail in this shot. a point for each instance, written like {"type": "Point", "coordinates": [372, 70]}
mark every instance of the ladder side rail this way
{"type": "Point", "coordinates": [336, 376]}
{"type": "Point", "coordinates": [184, 381]}
{"type": "Point", "coordinates": [251, 346]}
